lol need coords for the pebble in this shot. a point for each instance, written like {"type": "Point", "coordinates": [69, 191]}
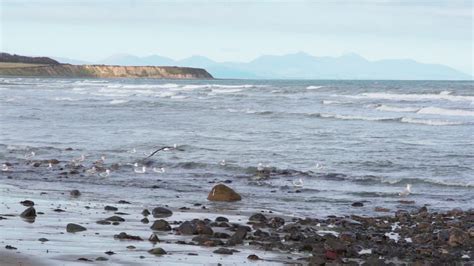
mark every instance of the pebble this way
{"type": "Point", "coordinates": [157, 251]}
{"type": "Point", "coordinates": [74, 228]}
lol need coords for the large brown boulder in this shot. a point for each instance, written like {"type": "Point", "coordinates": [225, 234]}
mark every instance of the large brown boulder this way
{"type": "Point", "coordinates": [223, 193]}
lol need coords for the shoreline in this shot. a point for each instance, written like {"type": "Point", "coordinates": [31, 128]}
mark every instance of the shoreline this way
{"type": "Point", "coordinates": [202, 233]}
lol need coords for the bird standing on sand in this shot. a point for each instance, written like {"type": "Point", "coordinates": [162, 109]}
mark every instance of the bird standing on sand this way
{"type": "Point", "coordinates": [406, 192]}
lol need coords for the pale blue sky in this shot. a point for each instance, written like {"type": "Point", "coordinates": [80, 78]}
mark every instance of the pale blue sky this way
{"type": "Point", "coordinates": [428, 31]}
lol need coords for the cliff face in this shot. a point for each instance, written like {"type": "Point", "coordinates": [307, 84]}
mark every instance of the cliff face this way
{"type": "Point", "coordinates": [106, 71]}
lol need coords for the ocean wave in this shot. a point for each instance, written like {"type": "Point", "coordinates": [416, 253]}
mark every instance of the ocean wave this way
{"type": "Point", "coordinates": [327, 102]}
{"type": "Point", "coordinates": [429, 122]}
{"type": "Point", "coordinates": [314, 87]}
{"type": "Point", "coordinates": [227, 90]}
{"type": "Point", "coordinates": [67, 99]}
{"type": "Point", "coordinates": [442, 111]}
{"type": "Point", "coordinates": [118, 101]}
{"type": "Point", "coordinates": [356, 117]}
{"type": "Point", "coordinates": [403, 181]}
{"type": "Point", "coordinates": [388, 108]}
{"type": "Point", "coordinates": [413, 97]}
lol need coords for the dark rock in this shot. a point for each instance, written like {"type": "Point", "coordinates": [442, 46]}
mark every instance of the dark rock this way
{"type": "Point", "coordinates": [10, 247]}
{"type": "Point", "coordinates": [123, 202]}
{"type": "Point", "coordinates": [161, 212]}
{"type": "Point", "coordinates": [253, 257]}
{"type": "Point", "coordinates": [110, 253]}
{"type": "Point", "coordinates": [224, 251]}
{"type": "Point", "coordinates": [101, 259]}
{"type": "Point", "coordinates": [84, 259]}
{"type": "Point", "coordinates": [29, 213]}
{"type": "Point", "coordinates": [153, 238]}
{"type": "Point", "coordinates": [75, 193]}
{"type": "Point", "coordinates": [43, 239]}
{"type": "Point", "coordinates": [257, 218]}
{"type": "Point", "coordinates": [222, 192]}
{"type": "Point", "coordinates": [221, 219]}
{"type": "Point", "coordinates": [458, 237]}
{"type": "Point", "coordinates": [131, 247]}
{"type": "Point", "coordinates": [144, 220]}
{"type": "Point", "coordinates": [187, 228]}
{"type": "Point", "coordinates": [276, 222]}
{"type": "Point", "coordinates": [103, 222]}
{"type": "Point", "coordinates": [357, 204]}
{"type": "Point", "coordinates": [73, 228]}
{"type": "Point", "coordinates": [157, 251]}
{"type": "Point", "coordinates": [110, 208]}
{"type": "Point", "coordinates": [58, 210]}
{"type": "Point", "coordinates": [203, 229]}
{"type": "Point", "coordinates": [161, 225]}
{"type": "Point", "coordinates": [220, 235]}
{"type": "Point", "coordinates": [27, 203]}
{"type": "Point", "coordinates": [115, 219]}
{"type": "Point", "coordinates": [238, 237]}
{"type": "Point", "coordinates": [125, 236]}
{"type": "Point", "coordinates": [145, 212]}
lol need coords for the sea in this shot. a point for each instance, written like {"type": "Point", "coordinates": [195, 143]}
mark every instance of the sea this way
{"type": "Point", "coordinates": [297, 147]}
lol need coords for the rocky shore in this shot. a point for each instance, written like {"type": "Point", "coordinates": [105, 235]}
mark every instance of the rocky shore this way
{"type": "Point", "coordinates": [74, 226]}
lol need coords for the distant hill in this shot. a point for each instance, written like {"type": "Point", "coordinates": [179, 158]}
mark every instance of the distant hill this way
{"type": "Point", "coordinates": [304, 66]}
{"type": "Point", "coordinates": [13, 58]}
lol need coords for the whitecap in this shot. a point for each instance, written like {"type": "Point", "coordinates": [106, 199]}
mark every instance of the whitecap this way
{"type": "Point", "coordinates": [118, 101]}
{"type": "Point", "coordinates": [225, 90]}
{"type": "Point", "coordinates": [441, 111]}
{"type": "Point", "coordinates": [429, 122]}
{"type": "Point", "coordinates": [388, 108]}
{"type": "Point", "coordinates": [314, 87]}
{"type": "Point", "coordinates": [413, 97]}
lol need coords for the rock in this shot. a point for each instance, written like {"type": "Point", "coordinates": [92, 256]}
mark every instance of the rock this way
{"type": "Point", "coordinates": [27, 203]}
{"type": "Point", "coordinates": [125, 236]}
{"type": "Point", "coordinates": [222, 192]}
{"type": "Point", "coordinates": [58, 210]}
{"type": "Point", "coordinates": [458, 237]}
{"type": "Point", "coordinates": [257, 218]}
{"type": "Point", "coordinates": [221, 219]}
{"type": "Point", "coordinates": [253, 257]}
{"type": "Point", "coordinates": [357, 204]}
{"type": "Point", "coordinates": [131, 247]}
{"type": "Point", "coordinates": [43, 239]}
{"type": "Point", "coordinates": [224, 251]}
{"type": "Point", "coordinates": [276, 222]}
{"type": "Point", "coordinates": [75, 193]}
{"type": "Point", "coordinates": [110, 252]}
{"type": "Point", "coordinates": [161, 225]}
{"type": "Point", "coordinates": [157, 251]}
{"type": "Point", "coordinates": [103, 222]}
{"type": "Point", "coordinates": [29, 213]}
{"type": "Point", "coordinates": [101, 259]}
{"type": "Point", "coordinates": [330, 255]}
{"type": "Point", "coordinates": [187, 228]}
{"type": "Point", "coordinates": [123, 202]}
{"type": "Point", "coordinates": [73, 228]}
{"type": "Point", "coordinates": [115, 219]}
{"type": "Point", "coordinates": [144, 220]}
{"type": "Point", "coordinates": [10, 247]}
{"type": "Point", "coordinates": [221, 235]}
{"type": "Point", "coordinates": [110, 208]}
{"type": "Point", "coordinates": [153, 238]}
{"type": "Point", "coordinates": [203, 229]}
{"type": "Point", "coordinates": [238, 237]}
{"type": "Point", "coordinates": [161, 212]}
{"type": "Point", "coordinates": [84, 259]}
{"type": "Point", "coordinates": [381, 209]}
{"type": "Point", "coordinates": [145, 212]}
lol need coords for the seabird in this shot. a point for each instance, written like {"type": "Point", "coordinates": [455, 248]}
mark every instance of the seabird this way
{"type": "Point", "coordinates": [5, 168]}
{"type": "Point", "coordinates": [165, 148]}
{"type": "Point", "coordinates": [298, 183]}
{"type": "Point", "coordinates": [406, 192]}
{"type": "Point", "coordinates": [222, 163]}
{"type": "Point", "coordinates": [105, 174]}
{"type": "Point", "coordinates": [137, 170]}
{"type": "Point", "coordinates": [158, 170]}
{"type": "Point", "coordinates": [30, 155]}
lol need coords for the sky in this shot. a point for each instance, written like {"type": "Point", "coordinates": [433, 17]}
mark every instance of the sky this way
{"type": "Point", "coordinates": [428, 31]}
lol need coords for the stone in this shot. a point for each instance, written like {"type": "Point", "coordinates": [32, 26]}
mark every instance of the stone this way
{"type": "Point", "coordinates": [224, 251]}
{"type": "Point", "coordinates": [115, 219]}
{"type": "Point", "coordinates": [153, 238]}
{"type": "Point", "coordinates": [145, 212]}
{"type": "Point", "coordinates": [73, 228]}
{"type": "Point", "coordinates": [457, 237]}
{"type": "Point", "coordinates": [101, 259]}
{"type": "Point", "coordinates": [10, 247]}
{"type": "Point", "coordinates": [157, 251]}
{"type": "Point", "coordinates": [257, 218]}
{"type": "Point", "coordinates": [161, 212]}
{"type": "Point", "coordinates": [103, 222]}
{"type": "Point", "coordinates": [221, 219]}
{"type": "Point", "coordinates": [203, 229]}
{"type": "Point", "coordinates": [238, 237]}
{"type": "Point", "coordinates": [276, 222]}
{"type": "Point", "coordinates": [144, 220]}
{"type": "Point", "coordinates": [253, 257]}
{"type": "Point", "coordinates": [222, 192]}
{"type": "Point", "coordinates": [27, 203]}
{"type": "Point", "coordinates": [75, 193]}
{"type": "Point", "coordinates": [110, 208]}
{"type": "Point", "coordinates": [125, 236]}
{"type": "Point", "coordinates": [357, 204]}
{"type": "Point", "coordinates": [161, 225]}
{"type": "Point", "coordinates": [187, 228]}
{"type": "Point", "coordinates": [43, 239]}
{"type": "Point", "coordinates": [381, 209]}
{"type": "Point", "coordinates": [29, 213]}
{"type": "Point", "coordinates": [110, 253]}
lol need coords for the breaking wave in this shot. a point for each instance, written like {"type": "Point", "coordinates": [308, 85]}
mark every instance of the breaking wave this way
{"type": "Point", "coordinates": [442, 111]}
{"type": "Point", "coordinates": [414, 97]}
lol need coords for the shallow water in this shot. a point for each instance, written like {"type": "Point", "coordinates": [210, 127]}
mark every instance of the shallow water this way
{"type": "Point", "coordinates": [346, 140]}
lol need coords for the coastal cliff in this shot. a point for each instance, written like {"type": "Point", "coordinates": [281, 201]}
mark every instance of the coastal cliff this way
{"type": "Point", "coordinates": [34, 67]}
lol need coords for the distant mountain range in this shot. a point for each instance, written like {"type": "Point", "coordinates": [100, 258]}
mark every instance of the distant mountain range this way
{"type": "Point", "coordinates": [297, 66]}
